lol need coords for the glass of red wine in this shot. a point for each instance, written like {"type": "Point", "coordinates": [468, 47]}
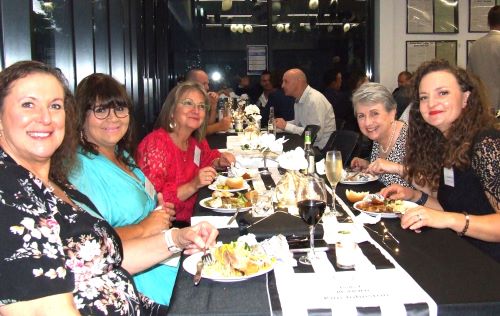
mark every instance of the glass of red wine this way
{"type": "Point", "coordinates": [311, 201]}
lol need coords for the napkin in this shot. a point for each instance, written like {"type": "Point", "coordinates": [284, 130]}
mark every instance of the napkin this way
{"type": "Point", "coordinates": [320, 167]}
{"type": "Point", "coordinates": [217, 221]}
{"type": "Point", "coordinates": [293, 159]}
{"type": "Point", "coordinates": [364, 218]}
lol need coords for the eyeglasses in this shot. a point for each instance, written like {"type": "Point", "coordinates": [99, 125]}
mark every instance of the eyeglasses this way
{"type": "Point", "coordinates": [188, 103]}
{"type": "Point", "coordinates": [102, 113]}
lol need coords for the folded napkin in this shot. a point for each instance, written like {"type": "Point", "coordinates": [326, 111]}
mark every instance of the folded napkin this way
{"type": "Point", "coordinates": [320, 167]}
{"type": "Point", "coordinates": [217, 221]}
{"type": "Point", "coordinates": [282, 223]}
{"type": "Point", "coordinates": [293, 159]}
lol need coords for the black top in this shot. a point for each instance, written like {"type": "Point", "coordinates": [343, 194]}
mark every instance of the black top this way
{"type": "Point", "coordinates": [48, 247]}
{"type": "Point", "coordinates": [402, 97]}
{"type": "Point", "coordinates": [342, 107]}
{"type": "Point", "coordinates": [283, 107]}
{"type": "Point", "coordinates": [468, 192]}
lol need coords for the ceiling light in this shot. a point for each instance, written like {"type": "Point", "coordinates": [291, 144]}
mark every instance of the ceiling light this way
{"type": "Point", "coordinates": [226, 5]}
{"type": "Point", "coordinates": [347, 27]}
{"type": "Point", "coordinates": [233, 28]}
{"type": "Point", "coordinates": [248, 28]}
{"type": "Point", "coordinates": [313, 4]}
{"type": "Point", "coordinates": [216, 76]}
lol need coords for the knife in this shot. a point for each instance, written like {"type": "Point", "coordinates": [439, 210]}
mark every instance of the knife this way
{"type": "Point", "coordinates": [199, 267]}
{"type": "Point", "coordinates": [233, 217]}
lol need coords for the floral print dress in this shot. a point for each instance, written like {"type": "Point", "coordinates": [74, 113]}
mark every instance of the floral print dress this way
{"type": "Point", "coordinates": [48, 247]}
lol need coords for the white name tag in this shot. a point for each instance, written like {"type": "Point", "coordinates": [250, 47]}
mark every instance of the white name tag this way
{"type": "Point", "coordinates": [150, 189]}
{"type": "Point", "coordinates": [449, 178]}
{"type": "Point", "coordinates": [197, 156]}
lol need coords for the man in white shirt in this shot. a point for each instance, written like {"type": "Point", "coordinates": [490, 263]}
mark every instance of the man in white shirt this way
{"type": "Point", "coordinates": [484, 58]}
{"type": "Point", "coordinates": [311, 108]}
{"type": "Point", "coordinates": [198, 75]}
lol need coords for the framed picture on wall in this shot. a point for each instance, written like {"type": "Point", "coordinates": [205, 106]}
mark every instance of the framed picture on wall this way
{"type": "Point", "coordinates": [256, 59]}
{"type": "Point", "coordinates": [419, 51]}
{"type": "Point", "coordinates": [431, 17]}
{"type": "Point", "coordinates": [478, 15]}
{"type": "Point", "coordinates": [469, 45]}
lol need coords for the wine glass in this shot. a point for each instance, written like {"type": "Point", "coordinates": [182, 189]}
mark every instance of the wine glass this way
{"type": "Point", "coordinates": [311, 202]}
{"type": "Point", "coordinates": [333, 169]}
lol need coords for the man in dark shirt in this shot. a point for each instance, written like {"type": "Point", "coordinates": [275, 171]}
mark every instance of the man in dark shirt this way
{"type": "Point", "coordinates": [342, 106]}
{"type": "Point", "coordinates": [402, 93]}
{"type": "Point", "coordinates": [283, 105]}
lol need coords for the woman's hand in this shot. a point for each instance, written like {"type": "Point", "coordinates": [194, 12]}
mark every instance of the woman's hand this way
{"type": "Point", "coordinates": [225, 160]}
{"type": "Point", "coordinates": [418, 217]}
{"type": "Point", "coordinates": [359, 164]}
{"type": "Point", "coordinates": [380, 166]}
{"type": "Point", "coordinates": [195, 238]}
{"type": "Point", "coordinates": [399, 192]}
{"type": "Point", "coordinates": [205, 177]}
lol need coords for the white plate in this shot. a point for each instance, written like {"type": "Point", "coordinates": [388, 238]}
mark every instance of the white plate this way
{"type": "Point", "coordinates": [190, 262]}
{"type": "Point", "coordinates": [370, 177]}
{"type": "Point", "coordinates": [213, 186]}
{"type": "Point", "coordinates": [222, 210]}
{"type": "Point", "coordinates": [406, 204]}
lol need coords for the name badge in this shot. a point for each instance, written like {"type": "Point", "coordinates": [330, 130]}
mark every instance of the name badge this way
{"type": "Point", "coordinates": [449, 178]}
{"type": "Point", "coordinates": [150, 189]}
{"type": "Point", "coordinates": [197, 155]}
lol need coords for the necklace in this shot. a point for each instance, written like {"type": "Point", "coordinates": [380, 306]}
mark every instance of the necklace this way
{"type": "Point", "coordinates": [384, 151]}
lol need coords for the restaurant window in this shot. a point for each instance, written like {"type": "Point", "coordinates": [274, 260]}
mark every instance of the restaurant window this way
{"type": "Point", "coordinates": [216, 35]}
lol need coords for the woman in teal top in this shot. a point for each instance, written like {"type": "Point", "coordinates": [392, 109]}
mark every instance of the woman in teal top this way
{"type": "Point", "coordinates": [108, 175]}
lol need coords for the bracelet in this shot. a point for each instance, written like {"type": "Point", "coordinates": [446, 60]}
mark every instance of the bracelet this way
{"type": "Point", "coordinates": [467, 220]}
{"type": "Point", "coordinates": [170, 242]}
{"type": "Point", "coordinates": [423, 198]}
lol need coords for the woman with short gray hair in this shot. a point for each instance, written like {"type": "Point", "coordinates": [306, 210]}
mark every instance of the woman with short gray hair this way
{"type": "Point", "coordinates": [375, 111]}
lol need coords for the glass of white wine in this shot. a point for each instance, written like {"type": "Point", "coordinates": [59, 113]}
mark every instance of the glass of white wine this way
{"type": "Point", "coordinates": [333, 169]}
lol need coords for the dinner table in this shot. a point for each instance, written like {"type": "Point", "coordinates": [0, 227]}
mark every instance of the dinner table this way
{"type": "Point", "coordinates": [459, 278]}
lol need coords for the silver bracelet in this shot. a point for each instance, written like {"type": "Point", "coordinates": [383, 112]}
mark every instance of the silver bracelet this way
{"type": "Point", "coordinates": [172, 247]}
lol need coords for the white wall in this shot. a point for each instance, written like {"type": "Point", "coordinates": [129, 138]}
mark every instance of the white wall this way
{"type": "Point", "coordinates": [391, 37]}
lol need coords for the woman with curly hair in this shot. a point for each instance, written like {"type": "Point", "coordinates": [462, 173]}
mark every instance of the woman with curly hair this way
{"type": "Point", "coordinates": [453, 152]}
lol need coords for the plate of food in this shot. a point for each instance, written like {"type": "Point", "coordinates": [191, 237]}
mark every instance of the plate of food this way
{"type": "Point", "coordinates": [247, 174]}
{"type": "Point", "coordinates": [231, 184]}
{"type": "Point", "coordinates": [357, 177]}
{"type": "Point", "coordinates": [375, 204]}
{"type": "Point", "coordinates": [227, 202]}
{"type": "Point", "coordinates": [233, 262]}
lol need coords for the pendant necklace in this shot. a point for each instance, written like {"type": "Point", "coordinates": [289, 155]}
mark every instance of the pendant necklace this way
{"type": "Point", "coordinates": [384, 151]}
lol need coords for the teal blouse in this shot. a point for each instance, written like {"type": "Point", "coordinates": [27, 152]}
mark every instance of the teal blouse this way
{"type": "Point", "coordinates": [123, 200]}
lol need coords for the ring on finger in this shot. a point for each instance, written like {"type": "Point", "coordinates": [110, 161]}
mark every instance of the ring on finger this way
{"type": "Point", "coordinates": [419, 217]}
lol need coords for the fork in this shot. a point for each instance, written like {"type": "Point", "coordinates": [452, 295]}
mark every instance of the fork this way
{"type": "Point", "coordinates": [207, 259]}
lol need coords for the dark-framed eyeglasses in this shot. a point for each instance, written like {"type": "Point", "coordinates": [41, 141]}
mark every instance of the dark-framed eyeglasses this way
{"type": "Point", "coordinates": [102, 112]}
{"type": "Point", "coordinates": [188, 103]}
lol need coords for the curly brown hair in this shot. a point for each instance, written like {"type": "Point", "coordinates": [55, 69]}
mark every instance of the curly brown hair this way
{"type": "Point", "coordinates": [103, 90]}
{"type": "Point", "coordinates": [166, 117]}
{"type": "Point", "coordinates": [63, 158]}
{"type": "Point", "coordinates": [427, 148]}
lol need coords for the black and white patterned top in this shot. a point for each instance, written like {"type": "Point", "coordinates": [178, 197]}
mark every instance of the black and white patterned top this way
{"type": "Point", "coordinates": [48, 247]}
{"type": "Point", "coordinates": [397, 155]}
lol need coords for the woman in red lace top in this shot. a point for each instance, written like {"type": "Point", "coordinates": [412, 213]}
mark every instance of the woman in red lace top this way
{"type": "Point", "coordinates": [176, 157]}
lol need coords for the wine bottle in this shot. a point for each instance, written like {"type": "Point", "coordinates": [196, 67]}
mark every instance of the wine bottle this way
{"type": "Point", "coordinates": [309, 153]}
{"type": "Point", "coordinates": [271, 128]}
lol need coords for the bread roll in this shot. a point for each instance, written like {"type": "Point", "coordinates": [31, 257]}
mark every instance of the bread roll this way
{"type": "Point", "coordinates": [354, 196]}
{"type": "Point", "coordinates": [235, 183]}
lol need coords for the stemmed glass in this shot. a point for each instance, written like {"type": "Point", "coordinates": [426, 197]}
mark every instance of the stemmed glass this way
{"type": "Point", "coordinates": [333, 169]}
{"type": "Point", "coordinates": [311, 202]}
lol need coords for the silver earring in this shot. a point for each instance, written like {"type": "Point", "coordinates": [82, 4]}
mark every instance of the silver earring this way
{"type": "Point", "coordinates": [172, 124]}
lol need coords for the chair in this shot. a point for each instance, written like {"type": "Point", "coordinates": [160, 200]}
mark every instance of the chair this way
{"type": "Point", "coordinates": [314, 129]}
{"type": "Point", "coordinates": [344, 141]}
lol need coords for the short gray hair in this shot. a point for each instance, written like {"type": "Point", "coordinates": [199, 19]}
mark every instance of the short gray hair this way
{"type": "Point", "coordinates": [371, 93]}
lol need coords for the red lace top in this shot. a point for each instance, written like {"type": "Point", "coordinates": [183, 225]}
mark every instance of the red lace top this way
{"type": "Point", "coordinates": [168, 167]}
